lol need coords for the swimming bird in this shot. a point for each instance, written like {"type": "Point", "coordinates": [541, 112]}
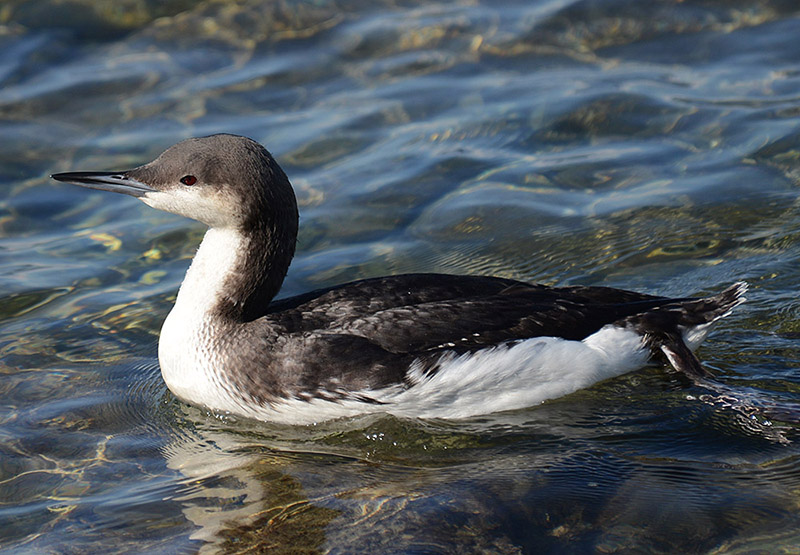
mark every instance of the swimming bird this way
{"type": "Point", "coordinates": [414, 345]}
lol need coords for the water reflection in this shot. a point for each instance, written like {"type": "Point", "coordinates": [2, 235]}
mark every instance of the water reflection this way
{"type": "Point", "coordinates": [491, 484]}
{"type": "Point", "coordinates": [651, 147]}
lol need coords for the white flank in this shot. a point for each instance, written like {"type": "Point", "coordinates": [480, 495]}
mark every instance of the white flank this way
{"type": "Point", "coordinates": [525, 374]}
{"type": "Point", "coordinates": [494, 379]}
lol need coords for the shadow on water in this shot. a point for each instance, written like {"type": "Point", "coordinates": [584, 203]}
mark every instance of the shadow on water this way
{"type": "Point", "coordinates": [608, 142]}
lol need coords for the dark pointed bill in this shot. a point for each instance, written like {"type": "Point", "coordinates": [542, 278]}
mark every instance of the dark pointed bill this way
{"type": "Point", "coordinates": [116, 182]}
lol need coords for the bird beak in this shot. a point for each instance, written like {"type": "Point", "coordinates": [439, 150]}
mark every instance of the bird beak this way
{"type": "Point", "coordinates": [116, 182]}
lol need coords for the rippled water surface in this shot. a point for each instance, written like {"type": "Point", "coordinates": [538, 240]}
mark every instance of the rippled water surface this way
{"type": "Point", "coordinates": [647, 145]}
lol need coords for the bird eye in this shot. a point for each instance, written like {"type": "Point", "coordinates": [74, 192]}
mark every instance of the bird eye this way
{"type": "Point", "coordinates": [188, 180]}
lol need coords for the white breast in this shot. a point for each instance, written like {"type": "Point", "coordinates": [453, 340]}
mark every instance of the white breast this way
{"type": "Point", "coordinates": [190, 350]}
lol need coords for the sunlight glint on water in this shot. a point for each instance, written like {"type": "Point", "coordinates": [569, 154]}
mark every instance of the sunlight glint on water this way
{"type": "Point", "coordinates": [651, 147]}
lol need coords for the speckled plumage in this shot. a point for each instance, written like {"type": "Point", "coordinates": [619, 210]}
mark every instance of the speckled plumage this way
{"type": "Point", "coordinates": [427, 345]}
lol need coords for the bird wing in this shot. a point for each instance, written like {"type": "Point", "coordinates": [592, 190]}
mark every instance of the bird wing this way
{"type": "Point", "coordinates": [381, 326]}
{"type": "Point", "coordinates": [418, 313]}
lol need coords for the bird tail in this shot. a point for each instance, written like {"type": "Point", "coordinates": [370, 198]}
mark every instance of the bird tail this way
{"type": "Point", "coordinates": [673, 330]}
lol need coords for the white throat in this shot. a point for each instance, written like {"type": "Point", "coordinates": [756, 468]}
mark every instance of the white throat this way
{"type": "Point", "coordinates": [189, 360]}
{"type": "Point", "coordinates": [215, 261]}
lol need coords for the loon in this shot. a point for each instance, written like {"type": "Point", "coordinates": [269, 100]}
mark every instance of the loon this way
{"type": "Point", "coordinates": [414, 345]}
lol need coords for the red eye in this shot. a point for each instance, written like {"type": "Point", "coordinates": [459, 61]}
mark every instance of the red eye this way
{"type": "Point", "coordinates": [188, 180]}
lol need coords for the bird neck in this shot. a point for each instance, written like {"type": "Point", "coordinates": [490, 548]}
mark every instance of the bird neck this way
{"type": "Point", "coordinates": [237, 272]}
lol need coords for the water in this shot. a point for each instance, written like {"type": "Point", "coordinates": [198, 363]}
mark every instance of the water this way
{"type": "Point", "coordinates": [651, 146]}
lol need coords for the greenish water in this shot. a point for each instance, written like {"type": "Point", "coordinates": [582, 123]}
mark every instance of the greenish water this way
{"type": "Point", "coordinates": [651, 146]}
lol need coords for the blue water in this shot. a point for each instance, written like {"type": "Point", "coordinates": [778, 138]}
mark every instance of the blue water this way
{"type": "Point", "coordinates": [652, 146]}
